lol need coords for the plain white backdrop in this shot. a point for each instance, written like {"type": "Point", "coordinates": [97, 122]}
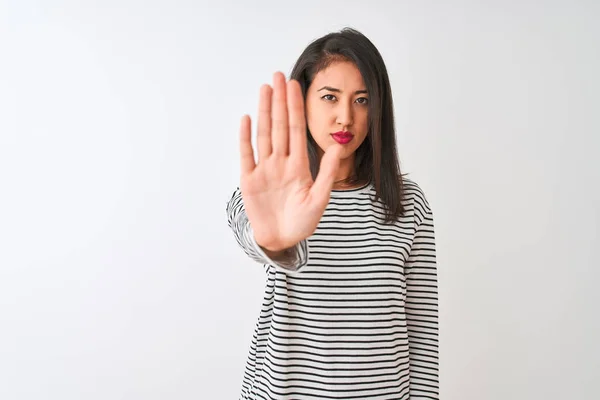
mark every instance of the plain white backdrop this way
{"type": "Point", "coordinates": [119, 278]}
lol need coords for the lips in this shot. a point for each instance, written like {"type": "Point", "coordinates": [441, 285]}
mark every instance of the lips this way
{"type": "Point", "coordinates": [342, 137]}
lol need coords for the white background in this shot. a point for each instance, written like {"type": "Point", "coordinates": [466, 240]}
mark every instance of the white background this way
{"type": "Point", "coordinates": [119, 278]}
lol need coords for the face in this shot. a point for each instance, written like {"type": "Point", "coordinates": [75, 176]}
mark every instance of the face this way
{"type": "Point", "coordinates": [337, 101]}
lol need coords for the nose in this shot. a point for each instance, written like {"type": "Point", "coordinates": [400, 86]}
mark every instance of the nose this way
{"type": "Point", "coordinates": [344, 115]}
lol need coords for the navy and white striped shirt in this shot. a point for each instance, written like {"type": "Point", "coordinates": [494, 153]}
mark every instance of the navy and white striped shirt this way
{"type": "Point", "coordinates": [353, 314]}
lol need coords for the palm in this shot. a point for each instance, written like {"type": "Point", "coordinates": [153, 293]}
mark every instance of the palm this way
{"type": "Point", "coordinates": [282, 201]}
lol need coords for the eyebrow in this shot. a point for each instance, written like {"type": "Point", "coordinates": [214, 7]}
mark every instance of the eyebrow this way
{"type": "Point", "coordinates": [332, 89]}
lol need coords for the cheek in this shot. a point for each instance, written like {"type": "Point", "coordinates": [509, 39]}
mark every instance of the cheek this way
{"type": "Point", "coordinates": [310, 125]}
{"type": "Point", "coordinates": [363, 121]}
{"type": "Point", "coordinates": [315, 121]}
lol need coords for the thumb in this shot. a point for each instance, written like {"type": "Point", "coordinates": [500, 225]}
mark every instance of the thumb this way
{"type": "Point", "coordinates": [330, 163]}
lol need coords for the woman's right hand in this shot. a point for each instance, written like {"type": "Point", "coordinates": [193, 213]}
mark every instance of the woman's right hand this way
{"type": "Point", "coordinates": [283, 203]}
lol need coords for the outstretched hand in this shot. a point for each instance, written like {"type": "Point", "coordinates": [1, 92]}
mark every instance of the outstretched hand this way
{"type": "Point", "coordinates": [282, 201]}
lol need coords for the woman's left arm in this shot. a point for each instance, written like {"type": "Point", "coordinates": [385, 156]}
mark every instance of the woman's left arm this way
{"type": "Point", "coordinates": [422, 309]}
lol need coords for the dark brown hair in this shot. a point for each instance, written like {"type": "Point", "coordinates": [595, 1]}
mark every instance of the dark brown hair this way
{"type": "Point", "coordinates": [376, 159]}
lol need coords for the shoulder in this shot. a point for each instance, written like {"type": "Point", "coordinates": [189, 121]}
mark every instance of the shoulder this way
{"type": "Point", "coordinates": [415, 198]}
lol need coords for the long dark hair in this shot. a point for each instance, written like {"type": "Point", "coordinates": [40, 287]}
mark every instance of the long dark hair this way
{"type": "Point", "coordinates": [376, 159]}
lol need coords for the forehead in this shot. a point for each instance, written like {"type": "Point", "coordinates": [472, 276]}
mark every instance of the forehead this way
{"type": "Point", "coordinates": [341, 75]}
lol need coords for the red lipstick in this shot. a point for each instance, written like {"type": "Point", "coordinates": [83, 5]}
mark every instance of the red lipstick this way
{"type": "Point", "coordinates": [342, 137]}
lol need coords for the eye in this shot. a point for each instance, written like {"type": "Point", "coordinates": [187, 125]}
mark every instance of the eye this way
{"type": "Point", "coordinates": [328, 97]}
{"type": "Point", "coordinates": [363, 100]}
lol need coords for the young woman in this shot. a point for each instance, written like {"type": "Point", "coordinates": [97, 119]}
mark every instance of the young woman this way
{"type": "Point", "coordinates": [347, 242]}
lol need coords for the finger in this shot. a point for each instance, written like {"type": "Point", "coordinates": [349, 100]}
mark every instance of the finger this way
{"type": "Point", "coordinates": [279, 130]}
{"type": "Point", "coordinates": [264, 123]}
{"type": "Point", "coordinates": [328, 169]}
{"type": "Point", "coordinates": [247, 163]}
{"type": "Point", "coordinates": [297, 120]}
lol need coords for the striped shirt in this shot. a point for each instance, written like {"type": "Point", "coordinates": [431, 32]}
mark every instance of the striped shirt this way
{"type": "Point", "coordinates": [353, 313]}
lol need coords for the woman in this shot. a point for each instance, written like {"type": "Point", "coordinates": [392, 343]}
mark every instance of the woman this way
{"type": "Point", "coordinates": [347, 242]}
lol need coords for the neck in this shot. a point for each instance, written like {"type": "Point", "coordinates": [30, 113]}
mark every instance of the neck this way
{"type": "Point", "coordinates": [345, 172]}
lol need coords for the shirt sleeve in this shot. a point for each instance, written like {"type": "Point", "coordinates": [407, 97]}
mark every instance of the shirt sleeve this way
{"type": "Point", "coordinates": [422, 309]}
{"type": "Point", "coordinates": [294, 258]}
